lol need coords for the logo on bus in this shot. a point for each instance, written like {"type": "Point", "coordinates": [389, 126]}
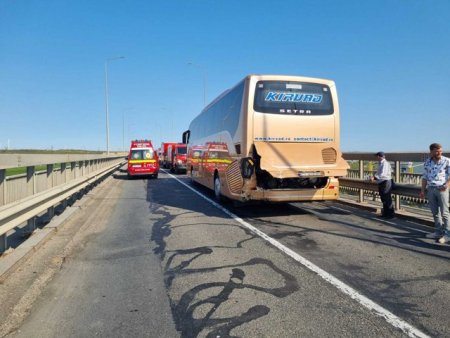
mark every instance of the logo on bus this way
{"type": "Point", "coordinates": [293, 97]}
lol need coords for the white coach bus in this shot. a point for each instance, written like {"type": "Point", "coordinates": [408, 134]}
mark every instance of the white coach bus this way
{"type": "Point", "coordinates": [270, 138]}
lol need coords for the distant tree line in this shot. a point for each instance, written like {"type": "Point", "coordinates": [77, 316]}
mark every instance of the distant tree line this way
{"type": "Point", "coordinates": [43, 151]}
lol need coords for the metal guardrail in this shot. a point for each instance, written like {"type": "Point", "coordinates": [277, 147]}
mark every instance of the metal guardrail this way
{"type": "Point", "coordinates": [407, 184]}
{"type": "Point", "coordinates": [54, 188]}
{"type": "Point", "coordinates": [404, 190]}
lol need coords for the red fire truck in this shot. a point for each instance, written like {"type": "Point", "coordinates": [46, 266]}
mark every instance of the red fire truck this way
{"type": "Point", "coordinates": [163, 159]}
{"type": "Point", "coordinates": [142, 159]}
{"type": "Point", "coordinates": [176, 154]}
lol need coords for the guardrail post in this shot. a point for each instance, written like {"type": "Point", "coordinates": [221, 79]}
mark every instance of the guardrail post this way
{"type": "Point", "coordinates": [72, 170]}
{"type": "Point", "coordinates": [2, 187]}
{"type": "Point", "coordinates": [50, 213]}
{"type": "Point", "coordinates": [397, 179]}
{"type": "Point", "coordinates": [31, 182]}
{"type": "Point", "coordinates": [31, 226]}
{"type": "Point", "coordinates": [3, 243]}
{"type": "Point", "coordinates": [63, 180]}
{"type": "Point", "coordinates": [50, 176]}
{"type": "Point", "coordinates": [51, 210]}
{"type": "Point", "coordinates": [63, 172]}
{"type": "Point", "coordinates": [81, 165]}
{"type": "Point", "coordinates": [361, 176]}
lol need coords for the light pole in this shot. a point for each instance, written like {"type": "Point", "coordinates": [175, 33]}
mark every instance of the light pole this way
{"type": "Point", "coordinates": [106, 99]}
{"type": "Point", "coordinates": [203, 70]}
{"type": "Point", "coordinates": [123, 131]}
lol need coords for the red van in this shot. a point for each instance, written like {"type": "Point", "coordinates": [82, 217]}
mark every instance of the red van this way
{"type": "Point", "coordinates": [142, 159]}
{"type": "Point", "coordinates": [176, 154]}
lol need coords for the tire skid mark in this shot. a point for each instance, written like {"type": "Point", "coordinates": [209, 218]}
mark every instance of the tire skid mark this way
{"type": "Point", "coordinates": [186, 309]}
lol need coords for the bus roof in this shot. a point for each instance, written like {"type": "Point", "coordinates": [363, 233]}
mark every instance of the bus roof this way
{"type": "Point", "coordinates": [271, 77]}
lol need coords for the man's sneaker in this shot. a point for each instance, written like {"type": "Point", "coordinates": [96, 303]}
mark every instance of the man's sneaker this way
{"type": "Point", "coordinates": [434, 235]}
{"type": "Point", "coordinates": [444, 239]}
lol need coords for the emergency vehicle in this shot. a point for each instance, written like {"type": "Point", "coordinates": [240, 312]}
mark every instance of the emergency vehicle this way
{"type": "Point", "coordinates": [176, 154]}
{"type": "Point", "coordinates": [164, 159]}
{"type": "Point", "coordinates": [142, 159]}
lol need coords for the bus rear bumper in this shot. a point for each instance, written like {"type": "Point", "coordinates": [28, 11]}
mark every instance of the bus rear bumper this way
{"type": "Point", "coordinates": [327, 193]}
{"type": "Point", "coordinates": [289, 195]}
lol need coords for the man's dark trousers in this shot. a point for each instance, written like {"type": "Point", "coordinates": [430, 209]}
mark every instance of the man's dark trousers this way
{"type": "Point", "coordinates": [385, 190]}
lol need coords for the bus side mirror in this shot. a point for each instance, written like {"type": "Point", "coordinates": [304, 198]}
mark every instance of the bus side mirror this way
{"type": "Point", "coordinates": [186, 136]}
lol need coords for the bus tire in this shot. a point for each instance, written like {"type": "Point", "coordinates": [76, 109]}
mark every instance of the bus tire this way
{"type": "Point", "coordinates": [217, 188]}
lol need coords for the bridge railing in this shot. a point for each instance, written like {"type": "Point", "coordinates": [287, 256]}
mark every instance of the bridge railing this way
{"type": "Point", "coordinates": [407, 175]}
{"type": "Point", "coordinates": [23, 197]}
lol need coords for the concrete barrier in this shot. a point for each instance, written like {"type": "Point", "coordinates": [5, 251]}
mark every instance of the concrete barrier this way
{"type": "Point", "coordinates": [32, 202]}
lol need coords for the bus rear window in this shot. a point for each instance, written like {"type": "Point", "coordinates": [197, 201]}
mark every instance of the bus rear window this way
{"type": "Point", "coordinates": [293, 98]}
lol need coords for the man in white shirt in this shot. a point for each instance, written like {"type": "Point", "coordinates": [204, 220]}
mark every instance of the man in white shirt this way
{"type": "Point", "coordinates": [384, 180]}
{"type": "Point", "coordinates": [436, 180]}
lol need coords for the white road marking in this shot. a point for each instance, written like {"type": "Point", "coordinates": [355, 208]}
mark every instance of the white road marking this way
{"type": "Point", "coordinates": [392, 319]}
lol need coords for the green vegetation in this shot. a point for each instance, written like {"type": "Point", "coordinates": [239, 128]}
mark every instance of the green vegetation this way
{"type": "Point", "coordinates": [43, 151]}
{"type": "Point", "coordinates": [15, 171]}
{"type": "Point", "coordinates": [23, 170]}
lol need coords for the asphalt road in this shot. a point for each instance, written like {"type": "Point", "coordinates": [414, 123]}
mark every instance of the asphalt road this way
{"type": "Point", "coordinates": [153, 258]}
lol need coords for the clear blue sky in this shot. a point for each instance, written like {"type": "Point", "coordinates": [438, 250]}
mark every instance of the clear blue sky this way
{"type": "Point", "coordinates": [390, 61]}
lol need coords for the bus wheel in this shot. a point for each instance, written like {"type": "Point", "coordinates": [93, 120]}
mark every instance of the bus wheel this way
{"type": "Point", "coordinates": [217, 192]}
